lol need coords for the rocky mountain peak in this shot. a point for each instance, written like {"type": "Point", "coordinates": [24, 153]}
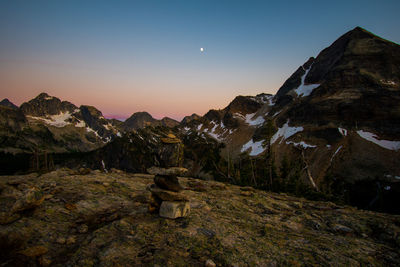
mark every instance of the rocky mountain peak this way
{"type": "Point", "coordinates": [357, 43]}
{"type": "Point", "coordinates": [44, 96]}
{"type": "Point", "coordinates": [168, 122]}
{"type": "Point", "coordinates": [90, 110]}
{"type": "Point", "coordinates": [190, 118]}
{"type": "Point", "coordinates": [138, 120]}
{"type": "Point", "coordinates": [243, 104]}
{"type": "Point", "coordinates": [44, 104]}
{"type": "Point", "coordinates": [358, 60]}
{"type": "Point", "coordinates": [7, 103]}
{"type": "Point", "coordinates": [214, 115]}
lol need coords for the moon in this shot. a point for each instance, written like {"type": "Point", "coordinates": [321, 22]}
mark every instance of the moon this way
{"type": "Point", "coordinates": [201, 49]}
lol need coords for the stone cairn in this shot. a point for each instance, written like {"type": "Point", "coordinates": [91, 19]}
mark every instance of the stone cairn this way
{"type": "Point", "coordinates": [166, 197]}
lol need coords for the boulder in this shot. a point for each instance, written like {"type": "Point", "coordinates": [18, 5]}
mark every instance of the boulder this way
{"type": "Point", "coordinates": [32, 198]}
{"type": "Point", "coordinates": [168, 183]}
{"type": "Point", "coordinates": [173, 171]}
{"type": "Point", "coordinates": [174, 209]}
{"type": "Point", "coordinates": [166, 195]}
{"type": "Point", "coordinates": [34, 251]}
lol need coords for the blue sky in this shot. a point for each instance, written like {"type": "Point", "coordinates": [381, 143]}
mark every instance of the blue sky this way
{"type": "Point", "coordinates": [128, 56]}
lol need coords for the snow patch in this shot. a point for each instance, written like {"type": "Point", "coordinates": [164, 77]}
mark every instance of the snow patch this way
{"type": "Point", "coordinates": [186, 129]}
{"type": "Point", "coordinates": [199, 127]}
{"type": "Point", "coordinates": [342, 131]}
{"type": "Point", "coordinates": [276, 113]}
{"type": "Point", "coordinates": [328, 146]}
{"type": "Point", "coordinates": [388, 82]}
{"type": "Point", "coordinates": [271, 100]}
{"type": "Point", "coordinates": [285, 131]}
{"type": "Point", "coordinates": [305, 89]}
{"type": "Point", "coordinates": [48, 98]}
{"type": "Point", "coordinates": [334, 154]}
{"type": "Point", "coordinates": [239, 116]}
{"type": "Point", "coordinates": [301, 144]}
{"type": "Point", "coordinates": [254, 122]}
{"type": "Point", "coordinates": [108, 126]}
{"type": "Point", "coordinates": [80, 124]}
{"type": "Point", "coordinates": [58, 120]}
{"type": "Point", "coordinates": [88, 129]}
{"type": "Point", "coordinates": [392, 145]}
{"type": "Point", "coordinates": [392, 176]}
{"type": "Point", "coordinates": [119, 134]}
{"type": "Point", "coordinates": [212, 132]}
{"type": "Point", "coordinates": [104, 166]}
{"type": "Point", "coordinates": [256, 147]}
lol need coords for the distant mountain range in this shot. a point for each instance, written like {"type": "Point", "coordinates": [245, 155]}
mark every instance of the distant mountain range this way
{"type": "Point", "coordinates": [338, 115]}
{"type": "Point", "coordinates": [47, 123]}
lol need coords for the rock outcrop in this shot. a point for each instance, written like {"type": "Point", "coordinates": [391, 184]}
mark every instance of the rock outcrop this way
{"type": "Point", "coordinates": [102, 219]}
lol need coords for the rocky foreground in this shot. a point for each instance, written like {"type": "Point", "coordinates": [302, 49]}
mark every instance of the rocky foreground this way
{"type": "Point", "coordinates": [90, 218]}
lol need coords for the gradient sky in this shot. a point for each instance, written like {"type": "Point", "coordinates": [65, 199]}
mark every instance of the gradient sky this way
{"type": "Point", "coordinates": [129, 56]}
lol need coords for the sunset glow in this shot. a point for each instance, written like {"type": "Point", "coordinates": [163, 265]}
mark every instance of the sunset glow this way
{"type": "Point", "coordinates": [129, 56]}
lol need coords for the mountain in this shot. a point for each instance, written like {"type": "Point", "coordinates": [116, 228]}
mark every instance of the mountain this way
{"type": "Point", "coordinates": [356, 82]}
{"type": "Point", "coordinates": [168, 122]}
{"type": "Point", "coordinates": [344, 106]}
{"type": "Point", "coordinates": [334, 123]}
{"type": "Point", "coordinates": [44, 105]}
{"type": "Point", "coordinates": [46, 123]}
{"type": "Point", "coordinates": [7, 103]}
{"type": "Point", "coordinates": [188, 119]}
{"type": "Point", "coordinates": [235, 123]}
{"type": "Point", "coordinates": [331, 132]}
{"type": "Point", "coordinates": [140, 120]}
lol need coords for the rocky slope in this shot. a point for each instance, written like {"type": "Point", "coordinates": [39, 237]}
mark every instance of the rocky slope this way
{"type": "Point", "coordinates": [64, 218]}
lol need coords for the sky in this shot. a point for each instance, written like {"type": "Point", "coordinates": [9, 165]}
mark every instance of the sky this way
{"type": "Point", "coordinates": [128, 56]}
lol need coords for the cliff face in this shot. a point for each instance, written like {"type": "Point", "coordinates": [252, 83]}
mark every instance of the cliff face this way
{"type": "Point", "coordinates": [67, 218]}
{"type": "Point", "coordinates": [358, 85]}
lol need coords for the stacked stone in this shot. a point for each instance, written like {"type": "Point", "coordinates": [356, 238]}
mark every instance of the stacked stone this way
{"type": "Point", "coordinates": [166, 197]}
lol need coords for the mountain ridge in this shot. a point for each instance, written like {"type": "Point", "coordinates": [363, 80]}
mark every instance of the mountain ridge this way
{"type": "Point", "coordinates": [333, 118]}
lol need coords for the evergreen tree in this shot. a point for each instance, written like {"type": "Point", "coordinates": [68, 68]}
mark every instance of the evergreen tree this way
{"type": "Point", "coordinates": [268, 133]}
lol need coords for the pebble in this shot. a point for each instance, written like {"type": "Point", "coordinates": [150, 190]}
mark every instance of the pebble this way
{"type": "Point", "coordinates": [71, 240]}
{"type": "Point", "coordinates": [61, 240]}
{"type": "Point", "coordinates": [83, 228]}
{"type": "Point", "coordinates": [210, 263]}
